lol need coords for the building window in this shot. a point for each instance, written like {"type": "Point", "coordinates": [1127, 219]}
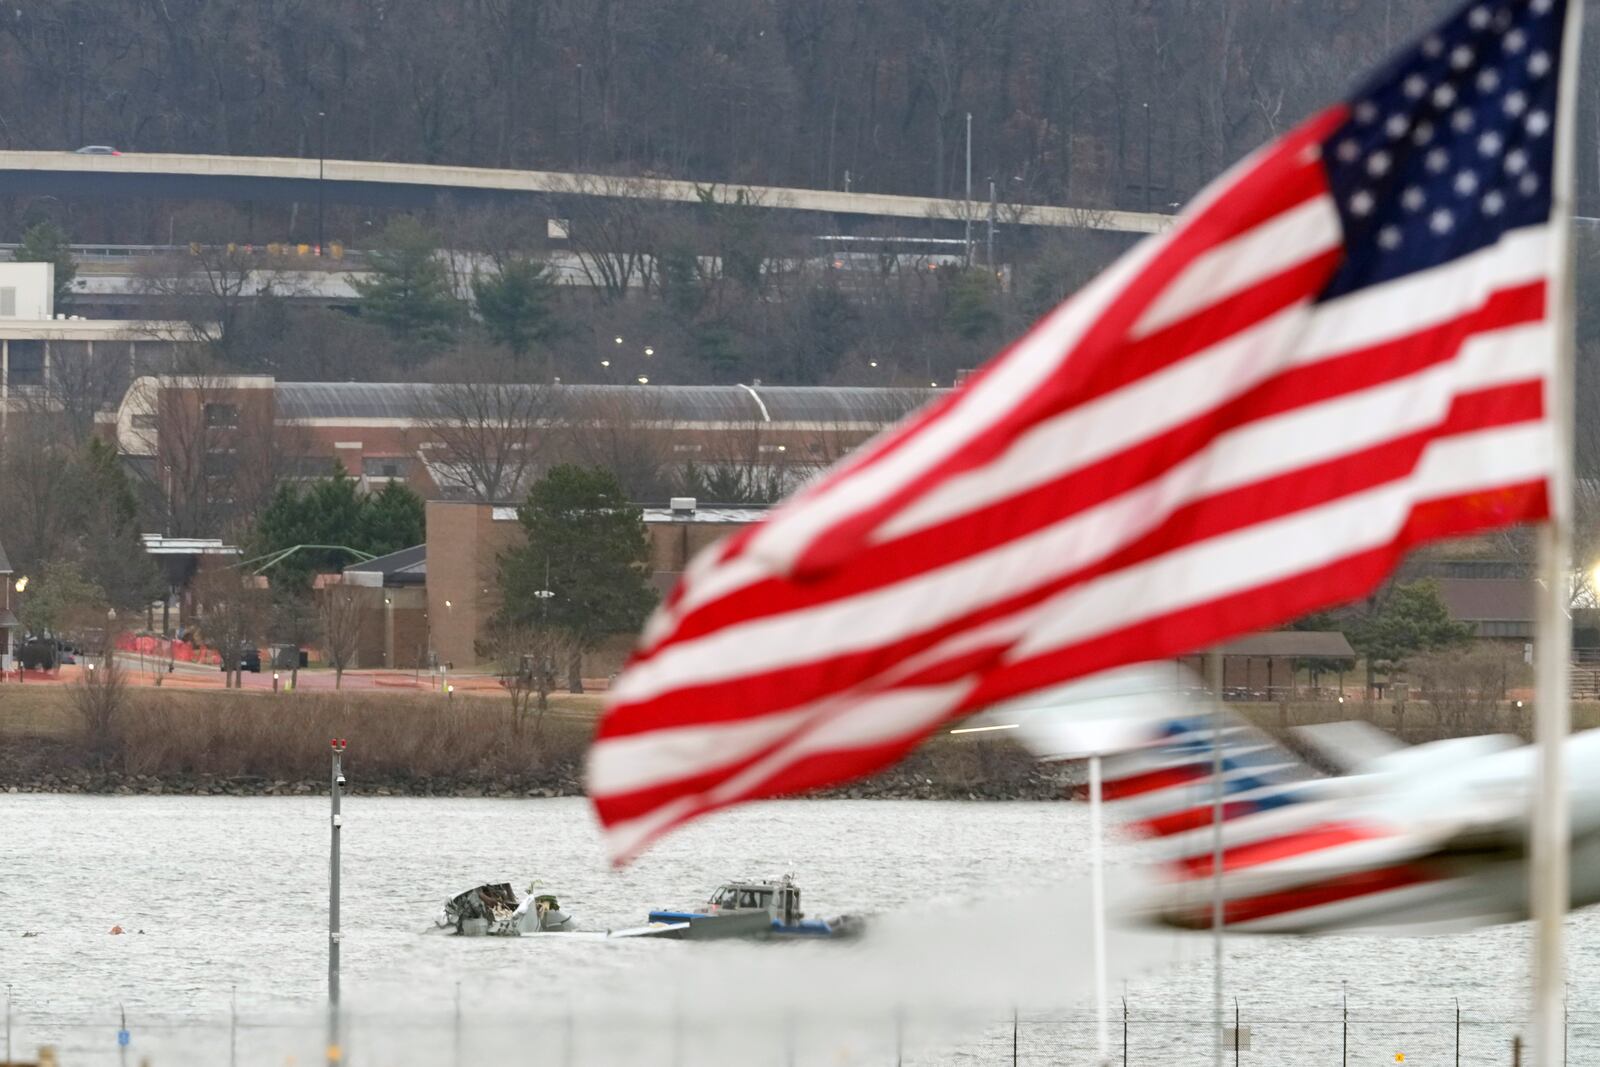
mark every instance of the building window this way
{"type": "Point", "coordinates": [26, 360]}
{"type": "Point", "coordinates": [222, 416]}
{"type": "Point", "coordinates": [145, 420]}
{"type": "Point", "coordinates": [8, 301]}
{"type": "Point", "coordinates": [688, 448]}
{"type": "Point", "coordinates": [383, 466]}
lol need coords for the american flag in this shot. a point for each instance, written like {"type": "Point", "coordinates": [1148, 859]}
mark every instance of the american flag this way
{"type": "Point", "coordinates": [1342, 349]}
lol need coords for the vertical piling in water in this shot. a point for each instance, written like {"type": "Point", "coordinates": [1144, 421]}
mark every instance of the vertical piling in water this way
{"type": "Point", "coordinates": [899, 1036]}
{"type": "Point", "coordinates": [1217, 725]}
{"type": "Point", "coordinates": [1344, 1024]}
{"type": "Point", "coordinates": [1458, 1032]}
{"type": "Point", "coordinates": [1124, 1030]}
{"type": "Point", "coordinates": [1014, 1028]}
{"type": "Point", "coordinates": [335, 787]}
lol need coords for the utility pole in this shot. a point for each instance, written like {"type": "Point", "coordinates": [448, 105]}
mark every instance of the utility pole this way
{"type": "Point", "coordinates": [582, 132]}
{"type": "Point", "coordinates": [968, 211]}
{"type": "Point", "coordinates": [1147, 170]}
{"type": "Point", "coordinates": [336, 786]}
{"type": "Point", "coordinates": [322, 154]}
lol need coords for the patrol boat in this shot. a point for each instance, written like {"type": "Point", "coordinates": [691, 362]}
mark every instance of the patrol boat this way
{"type": "Point", "coordinates": [780, 901]}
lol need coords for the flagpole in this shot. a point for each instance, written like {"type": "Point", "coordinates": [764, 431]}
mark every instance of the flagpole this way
{"type": "Point", "coordinates": [1216, 853]}
{"type": "Point", "coordinates": [1549, 888]}
{"type": "Point", "coordinates": [1097, 889]}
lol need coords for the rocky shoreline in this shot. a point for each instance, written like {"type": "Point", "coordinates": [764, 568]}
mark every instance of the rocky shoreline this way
{"type": "Point", "coordinates": [41, 766]}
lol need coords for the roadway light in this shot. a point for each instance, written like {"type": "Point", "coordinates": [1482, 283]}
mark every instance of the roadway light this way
{"type": "Point", "coordinates": [874, 363]}
{"type": "Point", "coordinates": [643, 380]}
{"type": "Point", "coordinates": [619, 340]}
{"type": "Point", "coordinates": [934, 384]}
{"type": "Point", "coordinates": [22, 583]}
{"type": "Point", "coordinates": [447, 604]}
{"type": "Point", "coordinates": [649, 351]}
{"type": "Point", "coordinates": [605, 363]}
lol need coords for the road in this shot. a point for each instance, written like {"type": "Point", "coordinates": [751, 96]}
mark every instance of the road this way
{"type": "Point", "coordinates": [183, 176]}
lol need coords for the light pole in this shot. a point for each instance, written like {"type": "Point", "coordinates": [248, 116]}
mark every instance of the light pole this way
{"type": "Point", "coordinates": [1147, 170]}
{"type": "Point", "coordinates": [322, 153]}
{"type": "Point", "coordinates": [968, 211]}
{"type": "Point", "coordinates": [336, 786]}
{"type": "Point", "coordinates": [546, 668]}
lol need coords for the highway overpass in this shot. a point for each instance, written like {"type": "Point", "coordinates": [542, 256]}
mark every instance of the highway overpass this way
{"type": "Point", "coordinates": [408, 185]}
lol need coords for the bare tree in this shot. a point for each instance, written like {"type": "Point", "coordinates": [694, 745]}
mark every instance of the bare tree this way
{"type": "Point", "coordinates": [340, 611]}
{"type": "Point", "coordinates": [98, 698]}
{"type": "Point", "coordinates": [487, 429]}
{"type": "Point", "coordinates": [614, 228]}
{"type": "Point", "coordinates": [626, 431]}
{"type": "Point", "coordinates": [526, 657]}
{"type": "Point", "coordinates": [233, 608]}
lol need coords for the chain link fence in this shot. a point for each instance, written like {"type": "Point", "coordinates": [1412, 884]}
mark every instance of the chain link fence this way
{"type": "Point", "coordinates": [668, 1034]}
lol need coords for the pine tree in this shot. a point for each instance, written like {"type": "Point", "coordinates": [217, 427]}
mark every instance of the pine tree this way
{"type": "Point", "coordinates": [585, 544]}
{"type": "Point", "coordinates": [517, 305]}
{"type": "Point", "coordinates": [45, 242]}
{"type": "Point", "coordinates": [391, 519]}
{"type": "Point", "coordinates": [408, 290]}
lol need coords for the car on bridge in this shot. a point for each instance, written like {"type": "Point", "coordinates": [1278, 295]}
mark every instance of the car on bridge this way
{"type": "Point", "coordinates": [96, 150]}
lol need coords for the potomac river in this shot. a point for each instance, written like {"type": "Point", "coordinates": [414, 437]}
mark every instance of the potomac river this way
{"type": "Point", "coordinates": [983, 909]}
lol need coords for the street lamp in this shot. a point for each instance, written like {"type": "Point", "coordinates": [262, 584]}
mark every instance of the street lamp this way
{"type": "Point", "coordinates": [22, 583]}
{"type": "Point", "coordinates": [649, 351]}
{"type": "Point", "coordinates": [322, 153]}
{"type": "Point", "coordinates": [605, 363]}
{"type": "Point", "coordinates": [643, 380]}
{"type": "Point", "coordinates": [619, 340]}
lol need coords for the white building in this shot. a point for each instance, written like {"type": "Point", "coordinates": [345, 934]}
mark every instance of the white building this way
{"type": "Point", "coordinates": [33, 337]}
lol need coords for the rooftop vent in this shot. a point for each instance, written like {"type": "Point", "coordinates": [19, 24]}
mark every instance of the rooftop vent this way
{"type": "Point", "coordinates": [682, 505]}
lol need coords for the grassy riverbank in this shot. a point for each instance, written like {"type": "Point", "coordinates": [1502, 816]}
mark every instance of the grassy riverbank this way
{"type": "Point", "coordinates": [246, 743]}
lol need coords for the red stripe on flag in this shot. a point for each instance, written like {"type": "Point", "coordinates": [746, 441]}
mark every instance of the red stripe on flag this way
{"type": "Point", "coordinates": [1273, 849]}
{"type": "Point", "coordinates": [1332, 891]}
{"type": "Point", "coordinates": [1150, 781]}
{"type": "Point", "coordinates": [1180, 822]}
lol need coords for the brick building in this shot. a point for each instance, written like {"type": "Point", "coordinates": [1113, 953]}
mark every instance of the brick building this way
{"type": "Point", "coordinates": [436, 436]}
{"type": "Point", "coordinates": [465, 541]}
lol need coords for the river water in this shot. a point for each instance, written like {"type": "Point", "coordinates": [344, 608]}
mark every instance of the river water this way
{"type": "Point", "coordinates": [224, 959]}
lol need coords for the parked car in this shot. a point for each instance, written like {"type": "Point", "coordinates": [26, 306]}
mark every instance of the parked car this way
{"type": "Point", "coordinates": [249, 660]}
{"type": "Point", "coordinates": [37, 653]}
{"type": "Point", "coordinates": [97, 150]}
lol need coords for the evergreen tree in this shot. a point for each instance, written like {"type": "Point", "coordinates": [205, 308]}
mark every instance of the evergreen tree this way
{"type": "Point", "coordinates": [518, 305]}
{"type": "Point", "coordinates": [585, 544]}
{"type": "Point", "coordinates": [1406, 620]}
{"type": "Point", "coordinates": [391, 519]}
{"type": "Point", "coordinates": [45, 242]}
{"type": "Point", "coordinates": [408, 290]}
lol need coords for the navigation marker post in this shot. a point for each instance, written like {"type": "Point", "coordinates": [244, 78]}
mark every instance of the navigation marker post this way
{"type": "Point", "coordinates": [335, 786]}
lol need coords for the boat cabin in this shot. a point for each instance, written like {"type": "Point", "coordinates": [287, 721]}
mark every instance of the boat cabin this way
{"type": "Point", "coordinates": [779, 899]}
